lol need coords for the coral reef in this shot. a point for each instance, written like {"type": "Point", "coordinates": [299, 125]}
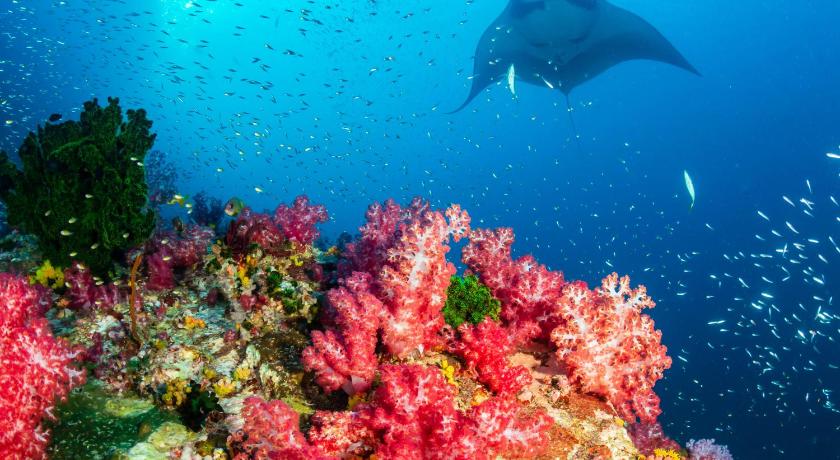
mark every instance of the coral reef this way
{"type": "Point", "coordinates": [82, 190]}
{"type": "Point", "coordinates": [263, 345]}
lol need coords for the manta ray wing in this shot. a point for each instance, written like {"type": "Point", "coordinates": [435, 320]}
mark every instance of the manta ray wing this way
{"type": "Point", "coordinates": [603, 35]}
{"type": "Point", "coordinates": [619, 36]}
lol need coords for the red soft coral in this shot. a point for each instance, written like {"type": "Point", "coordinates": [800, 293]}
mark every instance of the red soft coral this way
{"type": "Point", "coordinates": [340, 434]}
{"type": "Point", "coordinates": [271, 431]}
{"type": "Point", "coordinates": [84, 294]}
{"type": "Point", "coordinates": [649, 436]}
{"type": "Point", "coordinates": [485, 348]}
{"type": "Point", "coordinates": [506, 430]}
{"type": "Point", "coordinates": [528, 291]}
{"type": "Point", "coordinates": [35, 369]}
{"type": "Point", "coordinates": [298, 221]}
{"type": "Point", "coordinates": [252, 228]}
{"type": "Point", "coordinates": [343, 356]}
{"type": "Point", "coordinates": [412, 415]}
{"type": "Point", "coordinates": [611, 348]}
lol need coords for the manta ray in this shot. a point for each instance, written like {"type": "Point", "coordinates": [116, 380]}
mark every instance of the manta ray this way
{"type": "Point", "coordinates": [564, 43]}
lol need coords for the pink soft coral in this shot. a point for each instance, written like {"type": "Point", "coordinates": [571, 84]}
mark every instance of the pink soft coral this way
{"type": "Point", "coordinates": [343, 356]}
{"type": "Point", "coordinates": [404, 252]}
{"type": "Point", "coordinates": [528, 291]}
{"type": "Point", "coordinates": [379, 234]}
{"type": "Point", "coordinates": [271, 431]}
{"type": "Point", "coordinates": [413, 281]}
{"type": "Point", "coordinates": [485, 349]}
{"type": "Point", "coordinates": [611, 348]}
{"type": "Point", "coordinates": [298, 221]}
{"type": "Point", "coordinates": [35, 369]}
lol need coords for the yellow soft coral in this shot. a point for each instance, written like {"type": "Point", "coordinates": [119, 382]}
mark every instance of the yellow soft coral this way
{"type": "Point", "coordinates": [667, 454]}
{"type": "Point", "coordinates": [48, 276]}
{"type": "Point", "coordinates": [241, 273]}
{"type": "Point", "coordinates": [448, 372]}
{"type": "Point", "coordinates": [191, 322]}
{"type": "Point", "coordinates": [224, 387]}
{"type": "Point", "coordinates": [241, 373]}
{"type": "Point", "coordinates": [176, 392]}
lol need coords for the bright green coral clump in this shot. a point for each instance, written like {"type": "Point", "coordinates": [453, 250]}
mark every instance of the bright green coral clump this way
{"type": "Point", "coordinates": [82, 190]}
{"type": "Point", "coordinates": [469, 300]}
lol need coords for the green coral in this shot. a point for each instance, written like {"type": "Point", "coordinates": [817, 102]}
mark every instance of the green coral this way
{"type": "Point", "coordinates": [82, 190]}
{"type": "Point", "coordinates": [467, 299]}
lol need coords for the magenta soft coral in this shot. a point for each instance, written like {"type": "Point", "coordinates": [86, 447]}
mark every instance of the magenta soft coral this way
{"type": "Point", "coordinates": [611, 348]}
{"type": "Point", "coordinates": [35, 369]}
{"type": "Point", "coordinates": [253, 228]}
{"type": "Point", "coordinates": [299, 220]}
{"type": "Point", "coordinates": [344, 355]}
{"type": "Point", "coordinates": [83, 293]}
{"type": "Point", "coordinates": [485, 349]}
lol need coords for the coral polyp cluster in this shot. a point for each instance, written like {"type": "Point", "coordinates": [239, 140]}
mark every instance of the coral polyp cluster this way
{"type": "Point", "coordinates": [261, 344]}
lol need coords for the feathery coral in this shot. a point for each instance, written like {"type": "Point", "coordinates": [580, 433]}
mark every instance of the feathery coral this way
{"type": "Point", "coordinates": [35, 369]}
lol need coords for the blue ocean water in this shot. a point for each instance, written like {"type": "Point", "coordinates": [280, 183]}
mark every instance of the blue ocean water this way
{"type": "Point", "coordinates": [346, 101]}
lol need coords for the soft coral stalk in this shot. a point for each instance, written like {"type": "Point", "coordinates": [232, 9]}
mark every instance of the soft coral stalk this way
{"type": "Point", "coordinates": [35, 369]}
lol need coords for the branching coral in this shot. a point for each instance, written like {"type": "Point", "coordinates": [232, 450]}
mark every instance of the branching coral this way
{"type": "Point", "coordinates": [35, 369]}
{"type": "Point", "coordinates": [82, 189]}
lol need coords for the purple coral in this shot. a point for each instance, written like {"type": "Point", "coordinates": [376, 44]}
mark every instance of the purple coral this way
{"type": "Point", "coordinates": [706, 449]}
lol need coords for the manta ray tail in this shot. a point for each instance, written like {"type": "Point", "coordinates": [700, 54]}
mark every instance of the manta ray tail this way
{"type": "Point", "coordinates": [474, 90]}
